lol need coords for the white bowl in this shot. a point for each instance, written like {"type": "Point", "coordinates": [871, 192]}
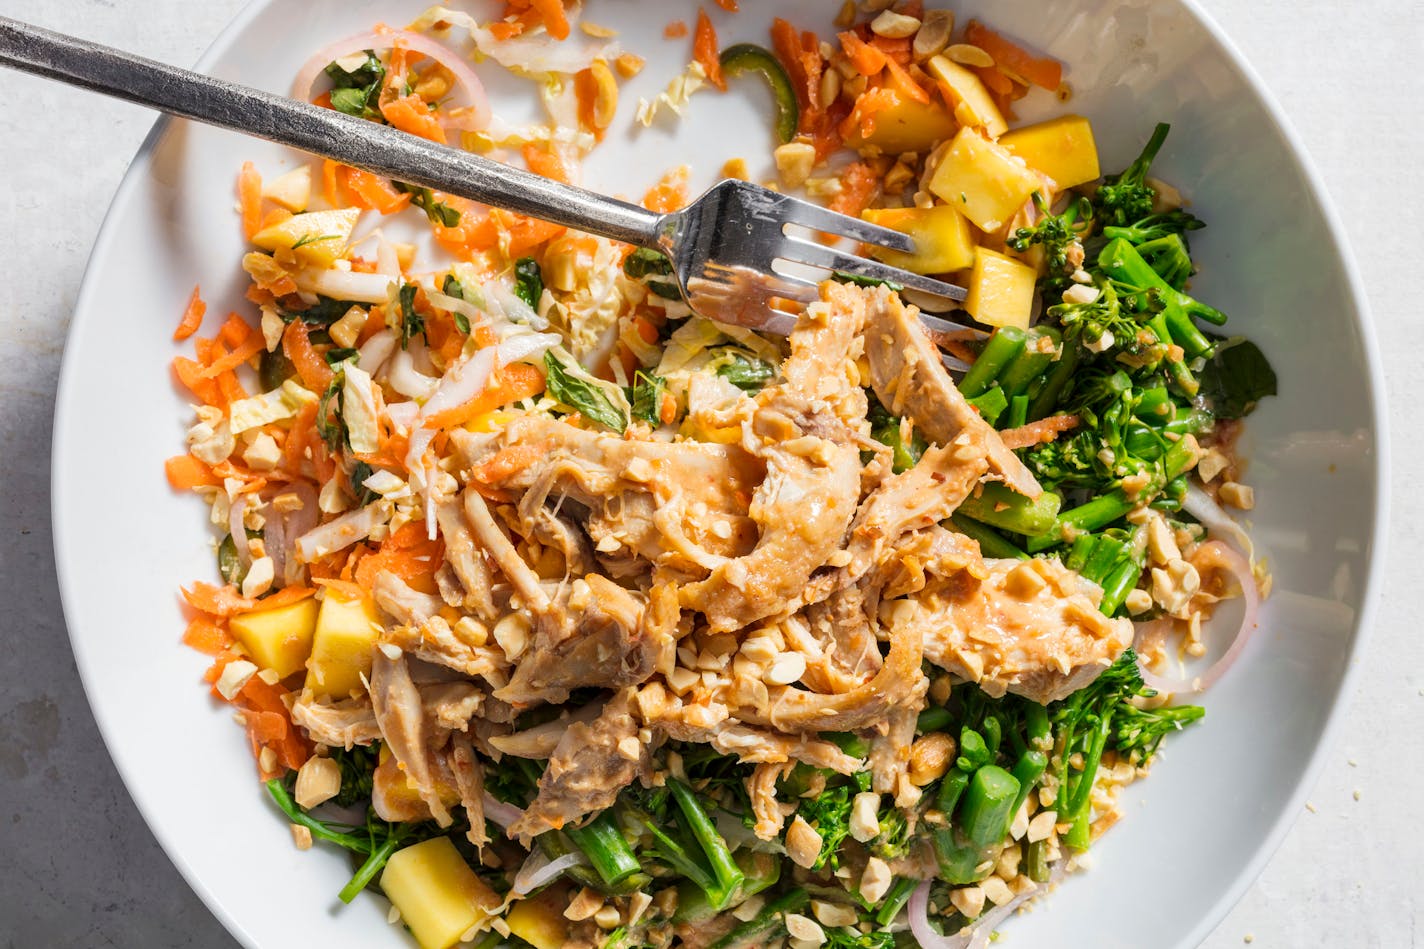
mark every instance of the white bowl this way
{"type": "Point", "coordinates": [1273, 257]}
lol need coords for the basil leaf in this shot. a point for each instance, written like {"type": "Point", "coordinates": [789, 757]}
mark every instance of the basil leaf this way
{"type": "Point", "coordinates": [1236, 378]}
{"type": "Point", "coordinates": [644, 262]}
{"type": "Point", "coordinates": [747, 372]}
{"type": "Point", "coordinates": [528, 281]}
{"type": "Point", "coordinates": [357, 91]}
{"type": "Point", "coordinates": [589, 401]}
{"type": "Point", "coordinates": [646, 397]}
{"type": "Point", "coordinates": [451, 288]}
{"type": "Point", "coordinates": [411, 321]}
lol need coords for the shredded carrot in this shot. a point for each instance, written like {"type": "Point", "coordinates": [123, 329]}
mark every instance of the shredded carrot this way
{"type": "Point", "coordinates": [868, 60]}
{"type": "Point", "coordinates": [1036, 433]}
{"type": "Point", "coordinates": [729, 5]}
{"type": "Point", "coordinates": [251, 347]}
{"type": "Point", "coordinates": [555, 20]}
{"type": "Point", "coordinates": [249, 196]}
{"type": "Point", "coordinates": [525, 233]}
{"type": "Point", "coordinates": [186, 472]}
{"type": "Point", "coordinates": [373, 192]}
{"type": "Point", "coordinates": [408, 553]}
{"type": "Point", "coordinates": [905, 84]}
{"type": "Point", "coordinates": [503, 30]}
{"type": "Point", "coordinates": [507, 461]}
{"type": "Point", "coordinates": [858, 185]}
{"type": "Point", "coordinates": [994, 79]}
{"type": "Point", "coordinates": [1013, 59]}
{"type": "Point", "coordinates": [586, 96]}
{"type": "Point", "coordinates": [675, 30]}
{"type": "Point", "coordinates": [296, 344]}
{"type": "Point", "coordinates": [787, 47]}
{"type": "Point", "coordinates": [207, 636]}
{"type": "Point", "coordinates": [330, 183]}
{"type": "Point", "coordinates": [706, 51]}
{"type": "Point", "coordinates": [294, 451]}
{"type": "Point", "coordinates": [192, 317]}
{"type": "Point", "coordinates": [235, 330]}
{"type": "Point", "coordinates": [217, 601]}
{"type": "Point", "coordinates": [412, 114]}
{"type": "Point", "coordinates": [897, 49]}
{"type": "Point", "coordinates": [670, 193]}
{"type": "Point", "coordinates": [508, 384]}
{"type": "Point", "coordinates": [190, 373]}
{"type": "Point", "coordinates": [545, 161]}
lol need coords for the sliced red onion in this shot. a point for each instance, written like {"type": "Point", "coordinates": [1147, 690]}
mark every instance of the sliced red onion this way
{"type": "Point", "coordinates": [925, 935]}
{"type": "Point", "coordinates": [472, 114]}
{"type": "Point", "coordinates": [1215, 554]}
{"type": "Point", "coordinates": [1217, 522]}
{"type": "Point", "coordinates": [274, 540]}
{"type": "Point", "coordinates": [298, 522]}
{"type": "Point", "coordinates": [501, 813]}
{"type": "Point", "coordinates": [539, 870]}
{"type": "Point", "coordinates": [235, 526]}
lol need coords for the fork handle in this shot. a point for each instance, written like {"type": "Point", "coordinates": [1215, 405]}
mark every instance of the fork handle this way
{"type": "Point", "coordinates": [368, 145]}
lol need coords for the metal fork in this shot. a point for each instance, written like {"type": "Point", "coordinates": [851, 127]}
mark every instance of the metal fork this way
{"type": "Point", "coordinates": [733, 250]}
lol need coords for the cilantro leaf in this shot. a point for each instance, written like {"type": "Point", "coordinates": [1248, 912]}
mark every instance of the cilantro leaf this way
{"type": "Point", "coordinates": [588, 400]}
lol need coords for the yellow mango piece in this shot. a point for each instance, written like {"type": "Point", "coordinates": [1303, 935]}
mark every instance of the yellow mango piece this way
{"type": "Point", "coordinates": [438, 895]}
{"type": "Point", "coordinates": [292, 190]}
{"type": "Point", "coordinates": [539, 921]}
{"type": "Point", "coordinates": [942, 238]}
{"type": "Point", "coordinates": [491, 421]}
{"type": "Point", "coordinates": [1000, 289]}
{"type": "Point", "coordinates": [967, 96]}
{"type": "Point", "coordinates": [317, 237]}
{"type": "Point", "coordinates": [346, 630]}
{"type": "Point", "coordinates": [400, 795]}
{"type": "Point", "coordinates": [1061, 148]}
{"type": "Point", "coordinates": [278, 639]}
{"type": "Point", "coordinates": [982, 181]}
{"type": "Point", "coordinates": [908, 126]}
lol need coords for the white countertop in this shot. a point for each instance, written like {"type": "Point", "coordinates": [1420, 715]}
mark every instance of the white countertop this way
{"type": "Point", "coordinates": [81, 868]}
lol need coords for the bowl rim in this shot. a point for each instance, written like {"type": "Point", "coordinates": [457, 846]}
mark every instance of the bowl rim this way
{"type": "Point", "coordinates": [1361, 628]}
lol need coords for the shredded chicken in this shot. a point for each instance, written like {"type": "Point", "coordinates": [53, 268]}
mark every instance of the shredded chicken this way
{"type": "Point", "coordinates": [1028, 627]}
{"type": "Point", "coordinates": [590, 765]}
{"type": "Point", "coordinates": [909, 379]}
{"type": "Point", "coordinates": [343, 724]}
{"type": "Point", "coordinates": [397, 705]}
{"type": "Point", "coordinates": [470, 782]}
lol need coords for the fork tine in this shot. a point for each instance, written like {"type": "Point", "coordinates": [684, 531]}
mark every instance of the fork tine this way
{"type": "Point", "coordinates": [813, 216]}
{"type": "Point", "coordinates": [819, 255]}
{"type": "Point", "coordinates": [953, 364]}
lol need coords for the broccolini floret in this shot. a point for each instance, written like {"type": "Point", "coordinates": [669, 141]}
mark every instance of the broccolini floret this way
{"type": "Point", "coordinates": [1127, 197]}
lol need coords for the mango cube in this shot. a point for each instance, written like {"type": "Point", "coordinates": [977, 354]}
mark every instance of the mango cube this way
{"type": "Point", "coordinates": [982, 181]}
{"type": "Point", "coordinates": [438, 895]}
{"type": "Point", "coordinates": [317, 237]}
{"type": "Point", "coordinates": [279, 639]}
{"type": "Point", "coordinates": [908, 126]}
{"type": "Point", "coordinates": [1000, 289]}
{"type": "Point", "coordinates": [942, 238]}
{"type": "Point", "coordinates": [539, 921]}
{"type": "Point", "coordinates": [1061, 148]}
{"type": "Point", "coordinates": [967, 96]}
{"type": "Point", "coordinates": [346, 630]}
{"type": "Point", "coordinates": [399, 796]}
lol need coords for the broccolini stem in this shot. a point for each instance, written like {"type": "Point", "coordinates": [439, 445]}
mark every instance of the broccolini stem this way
{"type": "Point", "coordinates": [1001, 349]}
{"type": "Point", "coordinates": [998, 505]}
{"type": "Point", "coordinates": [1118, 585]}
{"type": "Point", "coordinates": [278, 789]}
{"type": "Point", "coordinates": [1018, 411]}
{"type": "Point", "coordinates": [991, 542]}
{"type": "Point", "coordinates": [1028, 770]}
{"type": "Point", "coordinates": [933, 719]}
{"type": "Point", "coordinates": [1046, 401]}
{"type": "Point", "coordinates": [1029, 364]}
{"type": "Point", "coordinates": [370, 867]}
{"type": "Point", "coordinates": [987, 807]}
{"type": "Point", "coordinates": [758, 929]}
{"type": "Point", "coordinates": [1185, 333]}
{"type": "Point", "coordinates": [728, 874]}
{"type": "Point", "coordinates": [1037, 861]}
{"type": "Point", "coordinates": [1107, 552]}
{"type": "Point", "coordinates": [950, 790]}
{"type": "Point", "coordinates": [895, 900]}
{"type": "Point", "coordinates": [607, 850]}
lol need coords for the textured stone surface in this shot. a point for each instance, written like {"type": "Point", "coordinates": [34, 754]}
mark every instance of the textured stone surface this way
{"type": "Point", "coordinates": [83, 871]}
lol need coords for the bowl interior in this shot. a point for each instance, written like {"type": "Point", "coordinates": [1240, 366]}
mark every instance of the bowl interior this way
{"type": "Point", "coordinates": [1220, 796]}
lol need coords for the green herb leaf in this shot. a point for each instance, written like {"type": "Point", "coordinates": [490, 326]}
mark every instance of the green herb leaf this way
{"type": "Point", "coordinates": [646, 397]}
{"type": "Point", "coordinates": [357, 92]}
{"type": "Point", "coordinates": [437, 211]}
{"type": "Point", "coordinates": [334, 356]}
{"type": "Point", "coordinates": [528, 281]}
{"type": "Point", "coordinates": [228, 563]}
{"type": "Point", "coordinates": [589, 401]}
{"type": "Point", "coordinates": [411, 321]}
{"type": "Point", "coordinates": [860, 281]}
{"type": "Point", "coordinates": [323, 312]}
{"type": "Point", "coordinates": [1236, 378]}
{"type": "Point", "coordinates": [747, 373]}
{"type": "Point", "coordinates": [451, 288]}
{"type": "Point", "coordinates": [329, 424]}
{"type": "Point", "coordinates": [644, 262]}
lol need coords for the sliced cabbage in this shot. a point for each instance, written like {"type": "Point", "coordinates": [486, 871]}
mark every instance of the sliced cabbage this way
{"type": "Point", "coordinates": [281, 403]}
{"type": "Point", "coordinates": [676, 96]}
{"type": "Point", "coordinates": [359, 412]}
